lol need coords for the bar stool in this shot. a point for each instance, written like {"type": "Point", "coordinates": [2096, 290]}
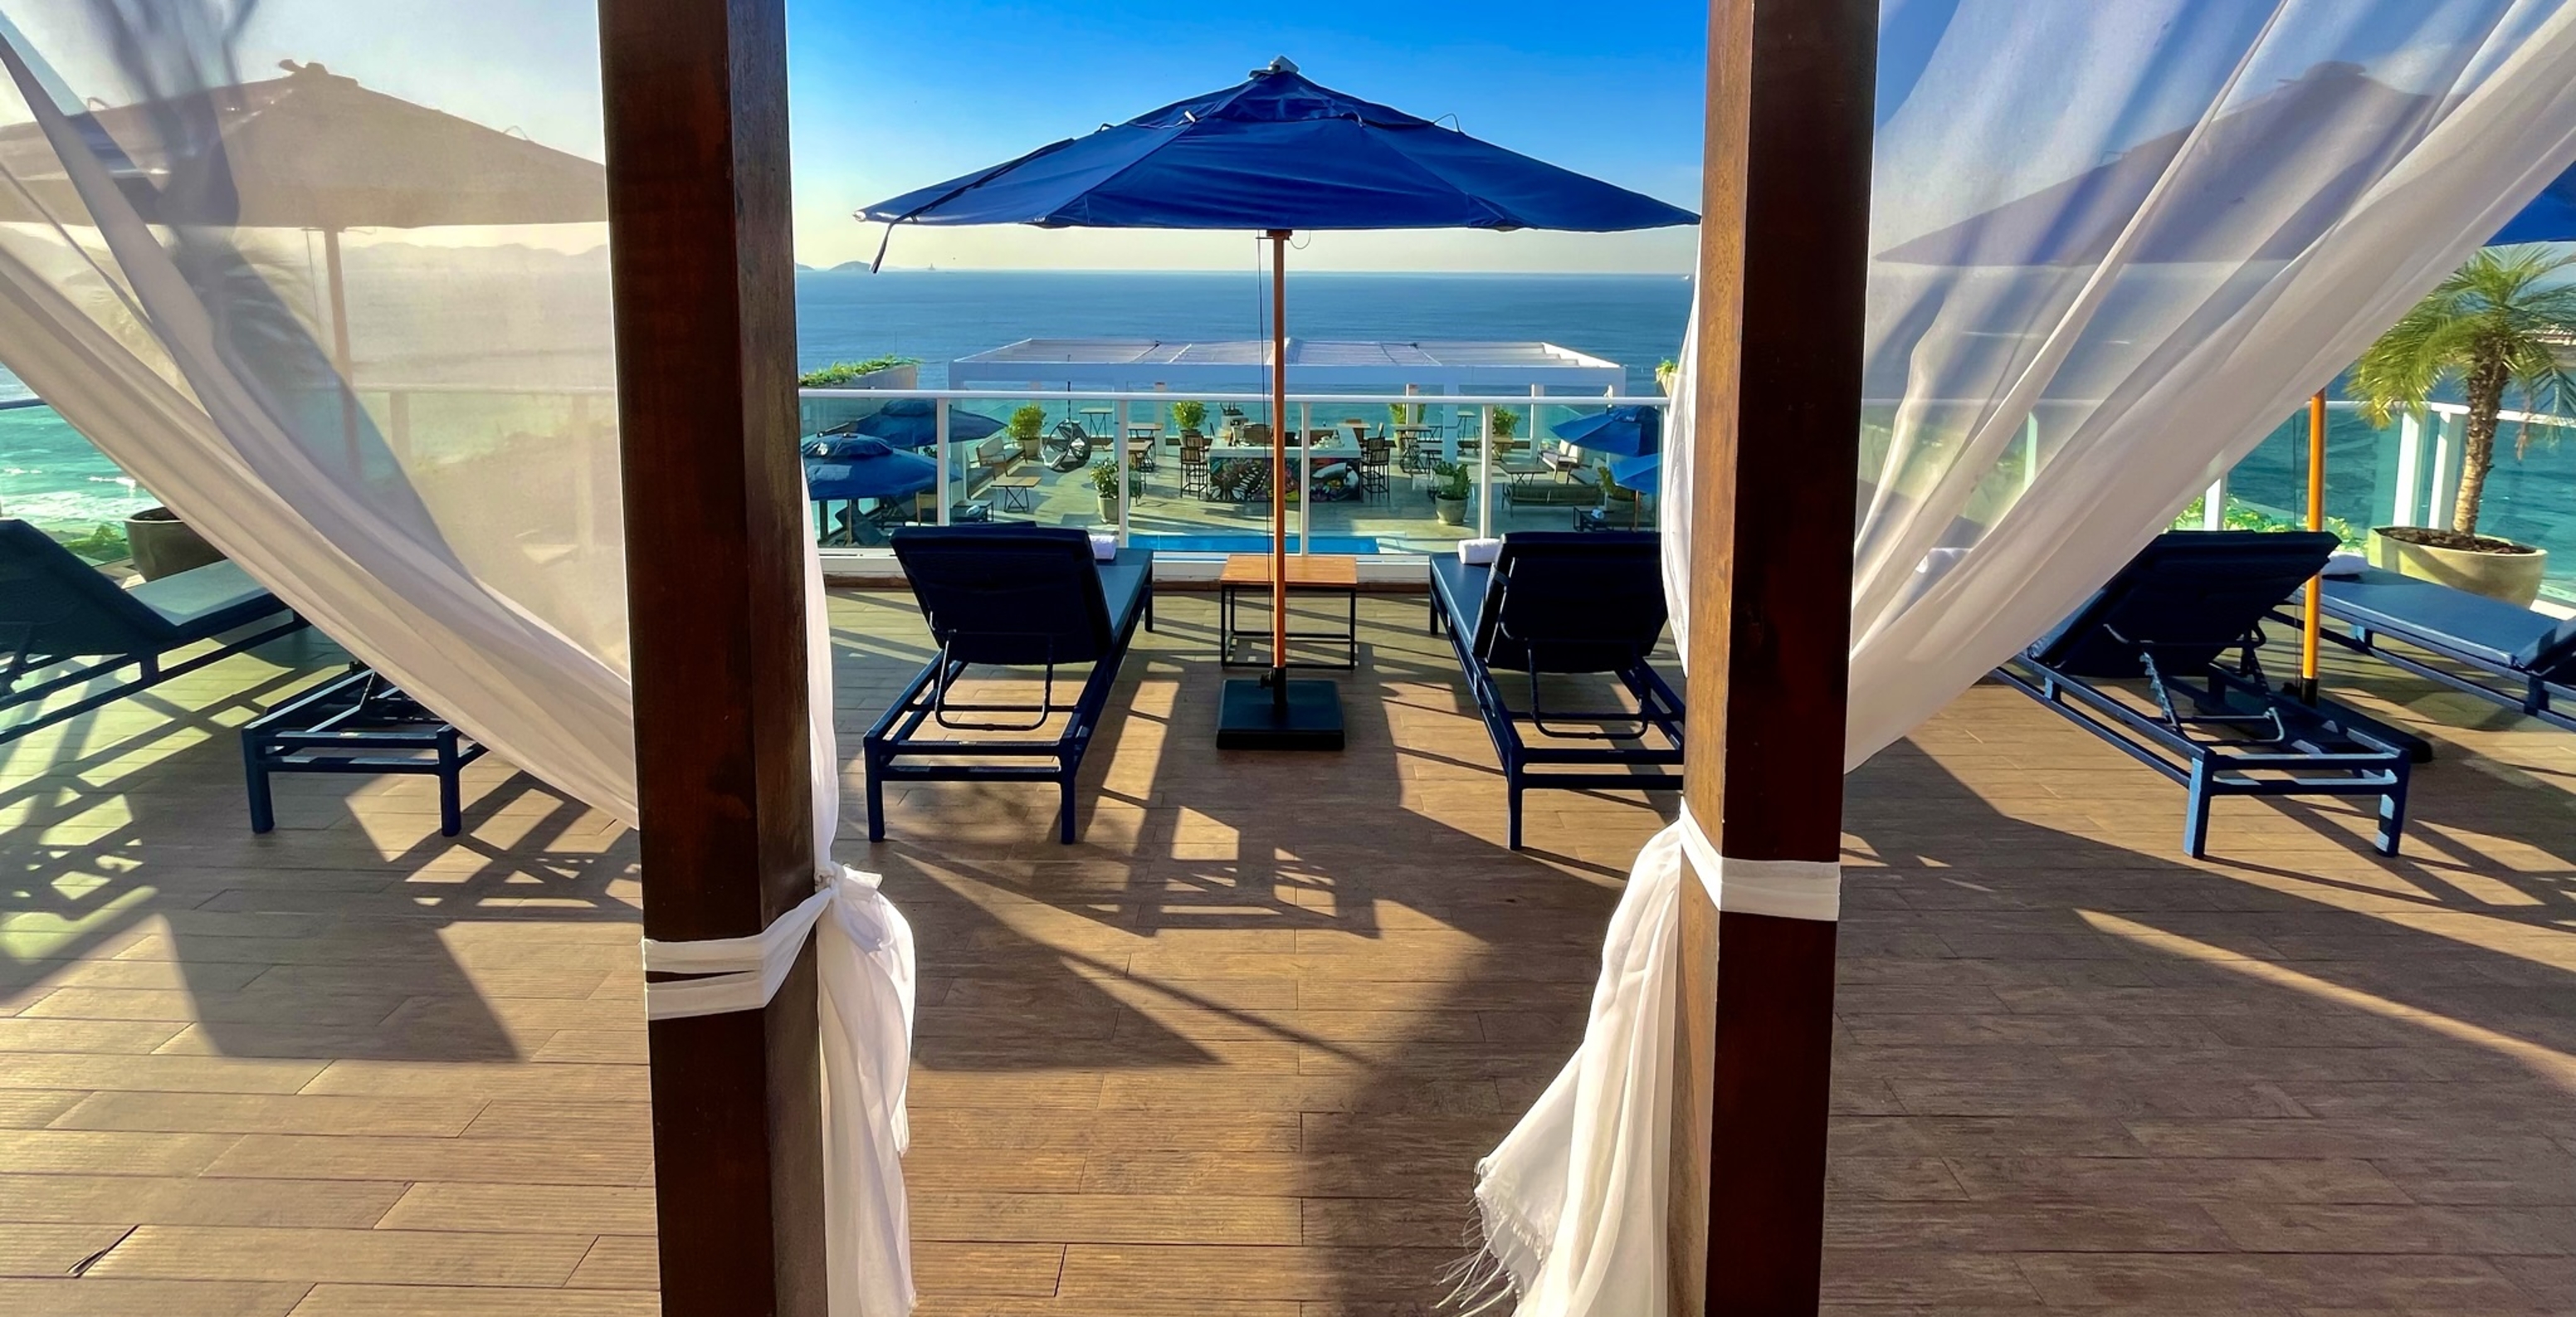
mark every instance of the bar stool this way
{"type": "Point", "coordinates": [1377, 467]}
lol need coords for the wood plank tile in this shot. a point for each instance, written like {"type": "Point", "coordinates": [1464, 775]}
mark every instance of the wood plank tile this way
{"type": "Point", "coordinates": [102, 1296]}
{"type": "Point", "coordinates": [2358, 1228]}
{"type": "Point", "coordinates": [74, 1152]}
{"type": "Point", "coordinates": [491, 1161]}
{"type": "Point", "coordinates": [953, 1215]}
{"type": "Point", "coordinates": [618, 1262]}
{"type": "Point", "coordinates": [30, 1250]}
{"type": "Point", "coordinates": [341, 1300]}
{"type": "Point", "coordinates": [1099, 1271]}
{"type": "Point", "coordinates": [194, 1201]}
{"type": "Point", "coordinates": [390, 1257]}
{"type": "Point", "coordinates": [242, 1113]}
{"type": "Point", "coordinates": [2412, 1282]}
{"type": "Point", "coordinates": [530, 1208]}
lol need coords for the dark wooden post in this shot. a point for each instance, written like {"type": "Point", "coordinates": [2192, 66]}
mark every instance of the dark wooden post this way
{"type": "Point", "coordinates": [696, 100]}
{"type": "Point", "coordinates": [1783, 274]}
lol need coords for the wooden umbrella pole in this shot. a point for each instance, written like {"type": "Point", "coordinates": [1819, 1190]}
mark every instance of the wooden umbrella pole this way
{"type": "Point", "coordinates": [1279, 465]}
{"type": "Point", "coordinates": [2312, 616]}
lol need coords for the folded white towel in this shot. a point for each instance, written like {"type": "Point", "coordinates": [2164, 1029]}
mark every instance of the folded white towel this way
{"type": "Point", "coordinates": [1104, 546]}
{"type": "Point", "coordinates": [2345, 564]}
{"type": "Point", "coordinates": [1479, 553]}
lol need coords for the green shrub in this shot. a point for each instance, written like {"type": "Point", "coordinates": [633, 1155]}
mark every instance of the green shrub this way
{"type": "Point", "coordinates": [1028, 421]}
{"type": "Point", "coordinates": [842, 372]}
{"type": "Point", "coordinates": [1189, 415]}
{"type": "Point", "coordinates": [1450, 480]}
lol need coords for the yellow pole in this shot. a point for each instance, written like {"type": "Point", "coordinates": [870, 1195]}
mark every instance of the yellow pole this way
{"type": "Point", "coordinates": [2312, 616]}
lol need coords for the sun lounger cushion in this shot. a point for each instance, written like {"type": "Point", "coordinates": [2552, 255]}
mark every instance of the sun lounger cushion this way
{"type": "Point", "coordinates": [73, 610]}
{"type": "Point", "coordinates": [1607, 587]}
{"type": "Point", "coordinates": [1018, 595]}
{"type": "Point", "coordinates": [2490, 631]}
{"type": "Point", "coordinates": [2192, 595]}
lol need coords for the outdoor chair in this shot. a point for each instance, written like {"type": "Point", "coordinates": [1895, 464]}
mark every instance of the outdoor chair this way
{"type": "Point", "coordinates": [65, 625]}
{"type": "Point", "coordinates": [1009, 597]}
{"type": "Point", "coordinates": [1557, 603]}
{"type": "Point", "coordinates": [2523, 660]}
{"type": "Point", "coordinates": [1194, 464]}
{"type": "Point", "coordinates": [2183, 619]}
{"type": "Point", "coordinates": [1377, 462]}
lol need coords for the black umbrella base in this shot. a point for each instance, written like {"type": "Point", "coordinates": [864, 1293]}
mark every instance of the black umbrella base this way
{"type": "Point", "coordinates": [1254, 718]}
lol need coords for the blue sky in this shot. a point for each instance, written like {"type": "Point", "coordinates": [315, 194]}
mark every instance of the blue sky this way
{"type": "Point", "coordinates": [887, 98]}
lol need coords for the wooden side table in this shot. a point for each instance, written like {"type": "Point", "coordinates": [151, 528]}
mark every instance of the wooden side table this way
{"type": "Point", "coordinates": [1250, 572]}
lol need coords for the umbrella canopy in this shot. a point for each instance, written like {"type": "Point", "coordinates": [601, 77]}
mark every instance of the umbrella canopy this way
{"type": "Point", "coordinates": [1639, 473]}
{"type": "Point", "coordinates": [914, 423]}
{"type": "Point", "coordinates": [1278, 151]}
{"type": "Point", "coordinates": [1634, 431]}
{"type": "Point", "coordinates": [864, 468]}
{"type": "Point", "coordinates": [311, 150]}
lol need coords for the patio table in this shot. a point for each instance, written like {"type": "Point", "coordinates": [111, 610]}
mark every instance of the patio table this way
{"type": "Point", "coordinates": [1328, 572]}
{"type": "Point", "coordinates": [1013, 492]}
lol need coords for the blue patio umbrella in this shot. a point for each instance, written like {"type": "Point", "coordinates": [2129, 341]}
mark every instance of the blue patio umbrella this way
{"type": "Point", "coordinates": [1639, 473]}
{"type": "Point", "coordinates": [1634, 431]}
{"type": "Point", "coordinates": [864, 468]}
{"type": "Point", "coordinates": [1276, 153]}
{"type": "Point", "coordinates": [914, 423]}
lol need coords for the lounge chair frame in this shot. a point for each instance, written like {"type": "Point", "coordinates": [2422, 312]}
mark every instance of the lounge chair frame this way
{"type": "Point", "coordinates": [356, 723]}
{"type": "Point", "coordinates": [898, 749]}
{"type": "Point", "coordinates": [2292, 750]}
{"type": "Point", "coordinates": [1654, 725]}
{"type": "Point", "coordinates": [2531, 694]}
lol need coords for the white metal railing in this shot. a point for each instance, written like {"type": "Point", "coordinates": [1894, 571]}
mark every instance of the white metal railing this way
{"type": "Point", "coordinates": [1485, 404]}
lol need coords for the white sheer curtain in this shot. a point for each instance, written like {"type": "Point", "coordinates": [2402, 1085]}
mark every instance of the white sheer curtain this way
{"type": "Point", "coordinates": [357, 332]}
{"type": "Point", "coordinates": [2113, 246]}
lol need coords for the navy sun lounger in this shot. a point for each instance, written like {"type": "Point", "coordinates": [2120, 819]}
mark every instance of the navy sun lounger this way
{"type": "Point", "coordinates": [1007, 596]}
{"type": "Point", "coordinates": [2523, 660]}
{"type": "Point", "coordinates": [64, 624]}
{"type": "Point", "coordinates": [2187, 601]}
{"type": "Point", "coordinates": [1565, 602]}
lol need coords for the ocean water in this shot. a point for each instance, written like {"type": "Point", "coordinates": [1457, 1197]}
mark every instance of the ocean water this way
{"type": "Point", "coordinates": [49, 475]}
{"type": "Point", "coordinates": [939, 316]}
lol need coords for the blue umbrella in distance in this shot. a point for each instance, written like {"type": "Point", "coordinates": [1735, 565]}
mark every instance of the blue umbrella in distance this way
{"type": "Point", "coordinates": [1638, 473]}
{"type": "Point", "coordinates": [1273, 154]}
{"type": "Point", "coordinates": [914, 423]}
{"type": "Point", "coordinates": [864, 468]}
{"type": "Point", "coordinates": [1633, 431]}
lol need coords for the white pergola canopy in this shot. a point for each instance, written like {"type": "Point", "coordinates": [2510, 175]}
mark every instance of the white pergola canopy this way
{"type": "Point", "coordinates": [1314, 366]}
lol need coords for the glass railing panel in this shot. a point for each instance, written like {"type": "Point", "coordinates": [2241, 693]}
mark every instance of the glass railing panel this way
{"type": "Point", "coordinates": [53, 479]}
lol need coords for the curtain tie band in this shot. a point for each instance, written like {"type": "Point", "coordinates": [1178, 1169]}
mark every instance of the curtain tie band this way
{"type": "Point", "coordinates": [1789, 889]}
{"type": "Point", "coordinates": [735, 973]}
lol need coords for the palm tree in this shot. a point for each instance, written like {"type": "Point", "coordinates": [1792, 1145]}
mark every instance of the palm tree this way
{"type": "Point", "coordinates": [2496, 324]}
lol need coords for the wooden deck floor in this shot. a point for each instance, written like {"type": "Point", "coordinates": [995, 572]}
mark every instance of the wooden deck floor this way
{"type": "Point", "coordinates": [1235, 1055]}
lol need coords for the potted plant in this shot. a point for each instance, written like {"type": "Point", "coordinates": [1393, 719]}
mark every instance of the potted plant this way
{"type": "Point", "coordinates": [1666, 371]}
{"type": "Point", "coordinates": [1104, 480]}
{"type": "Point", "coordinates": [1028, 426]}
{"type": "Point", "coordinates": [163, 545]}
{"type": "Point", "coordinates": [2492, 326]}
{"type": "Point", "coordinates": [1450, 482]}
{"type": "Point", "coordinates": [1188, 417]}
